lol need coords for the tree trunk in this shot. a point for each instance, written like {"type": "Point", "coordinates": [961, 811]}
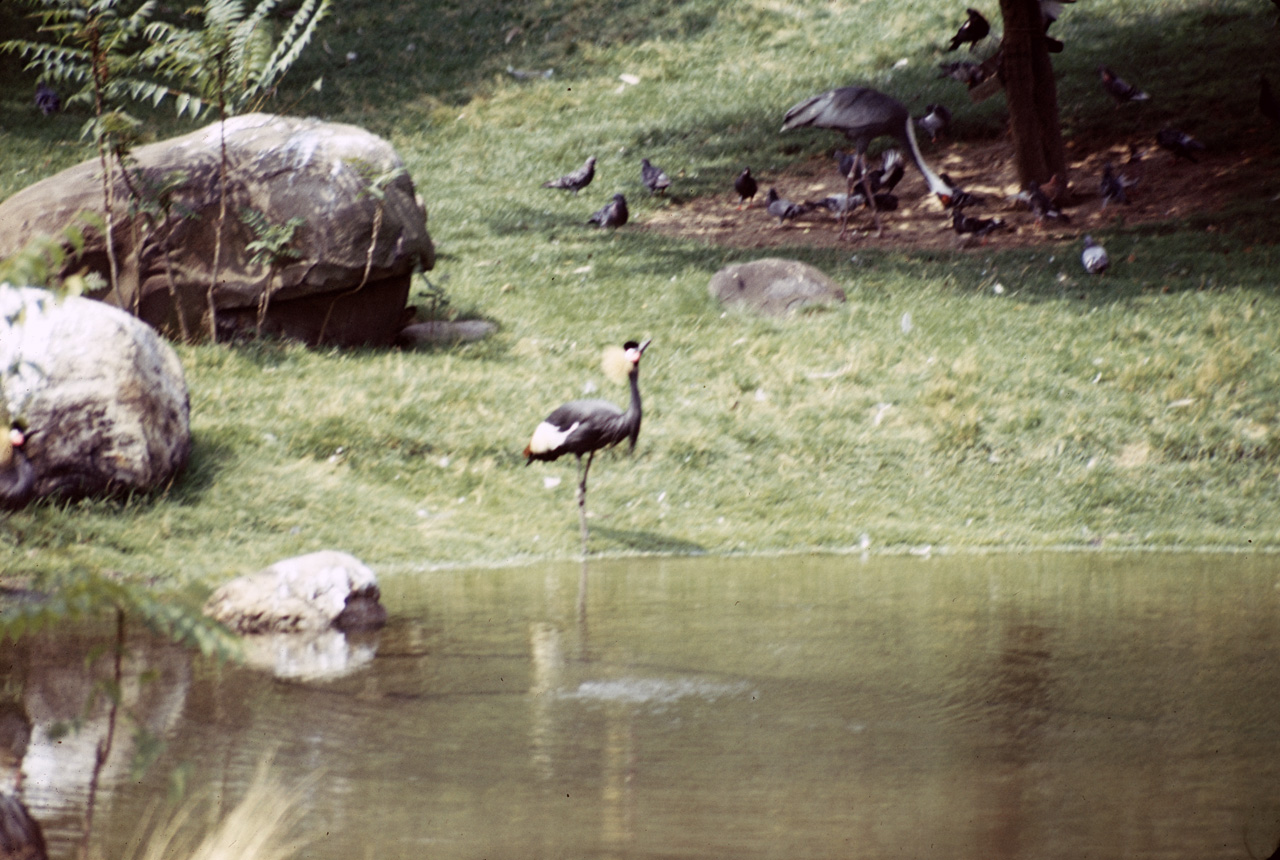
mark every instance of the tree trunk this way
{"type": "Point", "coordinates": [1032, 94]}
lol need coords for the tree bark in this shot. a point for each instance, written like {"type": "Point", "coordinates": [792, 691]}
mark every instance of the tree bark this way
{"type": "Point", "coordinates": [1032, 94]}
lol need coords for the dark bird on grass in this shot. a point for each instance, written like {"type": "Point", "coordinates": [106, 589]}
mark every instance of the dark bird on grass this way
{"type": "Point", "coordinates": [973, 31]}
{"type": "Point", "coordinates": [587, 426]}
{"type": "Point", "coordinates": [979, 227]}
{"type": "Point", "coordinates": [17, 475]}
{"type": "Point", "coordinates": [1267, 103]}
{"type": "Point", "coordinates": [1114, 187]}
{"type": "Point", "coordinates": [964, 71]}
{"type": "Point", "coordinates": [746, 186]}
{"type": "Point", "coordinates": [862, 115]}
{"type": "Point", "coordinates": [780, 207]}
{"type": "Point", "coordinates": [612, 214]}
{"type": "Point", "coordinates": [653, 177]}
{"type": "Point", "coordinates": [1119, 89]}
{"type": "Point", "coordinates": [47, 99]}
{"type": "Point", "coordinates": [1041, 204]}
{"type": "Point", "coordinates": [577, 180]}
{"type": "Point", "coordinates": [1181, 144]}
{"type": "Point", "coordinates": [1094, 257]}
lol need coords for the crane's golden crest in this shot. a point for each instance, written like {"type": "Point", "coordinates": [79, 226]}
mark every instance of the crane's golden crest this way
{"type": "Point", "coordinates": [615, 363]}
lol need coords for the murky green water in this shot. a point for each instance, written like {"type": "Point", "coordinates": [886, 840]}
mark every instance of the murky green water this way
{"type": "Point", "coordinates": [1061, 706]}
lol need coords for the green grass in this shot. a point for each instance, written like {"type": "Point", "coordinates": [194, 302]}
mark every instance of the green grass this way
{"type": "Point", "coordinates": [1134, 410]}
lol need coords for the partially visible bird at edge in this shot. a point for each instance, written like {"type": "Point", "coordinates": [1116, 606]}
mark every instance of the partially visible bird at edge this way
{"type": "Point", "coordinates": [17, 475]}
{"type": "Point", "coordinates": [587, 426]}
{"type": "Point", "coordinates": [862, 115]}
{"type": "Point", "coordinates": [1094, 257]}
{"type": "Point", "coordinates": [746, 186]}
{"type": "Point", "coordinates": [47, 99]}
{"type": "Point", "coordinates": [1181, 144]}
{"type": "Point", "coordinates": [780, 207]}
{"type": "Point", "coordinates": [1119, 89]}
{"type": "Point", "coordinates": [972, 31]}
{"type": "Point", "coordinates": [653, 177]}
{"type": "Point", "coordinates": [577, 180]}
{"type": "Point", "coordinates": [612, 214]}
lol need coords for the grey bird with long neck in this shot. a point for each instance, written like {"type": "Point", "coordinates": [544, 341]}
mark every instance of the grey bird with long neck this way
{"type": "Point", "coordinates": [587, 426]}
{"type": "Point", "coordinates": [863, 114]}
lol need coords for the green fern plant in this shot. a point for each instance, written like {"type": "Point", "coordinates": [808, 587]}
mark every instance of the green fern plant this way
{"type": "Point", "coordinates": [233, 63]}
{"type": "Point", "coordinates": [271, 247]}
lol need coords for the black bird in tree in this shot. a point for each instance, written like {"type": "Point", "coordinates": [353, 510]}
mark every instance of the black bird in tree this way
{"type": "Point", "coordinates": [862, 115]}
{"type": "Point", "coordinates": [47, 99]}
{"type": "Point", "coordinates": [972, 31]}
{"type": "Point", "coordinates": [577, 180]}
{"type": "Point", "coordinates": [1119, 89]}
{"type": "Point", "coordinates": [612, 214]}
{"type": "Point", "coordinates": [586, 426]}
{"type": "Point", "coordinates": [1267, 103]}
{"type": "Point", "coordinates": [1181, 144]}
{"type": "Point", "coordinates": [17, 475]}
{"type": "Point", "coordinates": [746, 186]}
{"type": "Point", "coordinates": [780, 207]}
{"type": "Point", "coordinates": [653, 177]}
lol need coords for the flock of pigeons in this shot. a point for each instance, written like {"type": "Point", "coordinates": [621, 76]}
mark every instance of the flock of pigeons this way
{"type": "Point", "coordinates": [614, 213]}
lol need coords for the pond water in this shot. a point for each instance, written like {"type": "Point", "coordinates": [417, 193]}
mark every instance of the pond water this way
{"type": "Point", "coordinates": [1047, 706]}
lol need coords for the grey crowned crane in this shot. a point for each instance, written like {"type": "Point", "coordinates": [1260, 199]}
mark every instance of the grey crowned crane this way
{"type": "Point", "coordinates": [17, 475]}
{"type": "Point", "coordinates": [864, 114]}
{"type": "Point", "coordinates": [586, 426]}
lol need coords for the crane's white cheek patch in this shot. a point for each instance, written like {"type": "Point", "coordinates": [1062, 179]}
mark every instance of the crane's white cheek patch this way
{"type": "Point", "coordinates": [549, 437]}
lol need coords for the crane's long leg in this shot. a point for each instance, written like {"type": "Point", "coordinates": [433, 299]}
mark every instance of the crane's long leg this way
{"type": "Point", "coordinates": [582, 500]}
{"type": "Point", "coordinates": [871, 201]}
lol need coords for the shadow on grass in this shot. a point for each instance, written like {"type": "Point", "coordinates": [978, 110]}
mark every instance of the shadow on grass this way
{"type": "Point", "coordinates": [648, 541]}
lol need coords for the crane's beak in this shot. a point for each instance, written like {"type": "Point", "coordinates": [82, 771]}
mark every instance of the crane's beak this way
{"type": "Point", "coordinates": [644, 345]}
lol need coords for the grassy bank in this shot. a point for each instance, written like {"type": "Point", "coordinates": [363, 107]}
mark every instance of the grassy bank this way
{"type": "Point", "coordinates": [967, 399]}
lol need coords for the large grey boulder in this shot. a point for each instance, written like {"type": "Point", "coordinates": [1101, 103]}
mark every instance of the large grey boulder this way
{"type": "Point", "coordinates": [102, 396]}
{"type": "Point", "coordinates": [338, 283]}
{"type": "Point", "coordinates": [314, 592]}
{"type": "Point", "coordinates": [774, 286]}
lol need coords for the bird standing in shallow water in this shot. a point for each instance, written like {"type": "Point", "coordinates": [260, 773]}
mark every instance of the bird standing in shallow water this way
{"type": "Point", "coordinates": [973, 31]}
{"type": "Point", "coordinates": [612, 214]}
{"type": "Point", "coordinates": [17, 475]}
{"type": "Point", "coordinates": [577, 180]}
{"type": "Point", "coordinates": [586, 426]}
{"type": "Point", "coordinates": [864, 114]}
{"type": "Point", "coordinates": [746, 186]}
{"type": "Point", "coordinates": [653, 177]}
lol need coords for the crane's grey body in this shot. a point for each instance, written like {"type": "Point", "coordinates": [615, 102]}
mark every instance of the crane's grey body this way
{"type": "Point", "coordinates": [863, 114]}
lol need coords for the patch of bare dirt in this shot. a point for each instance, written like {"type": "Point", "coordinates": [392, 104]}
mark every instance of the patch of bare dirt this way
{"type": "Point", "coordinates": [1166, 189]}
